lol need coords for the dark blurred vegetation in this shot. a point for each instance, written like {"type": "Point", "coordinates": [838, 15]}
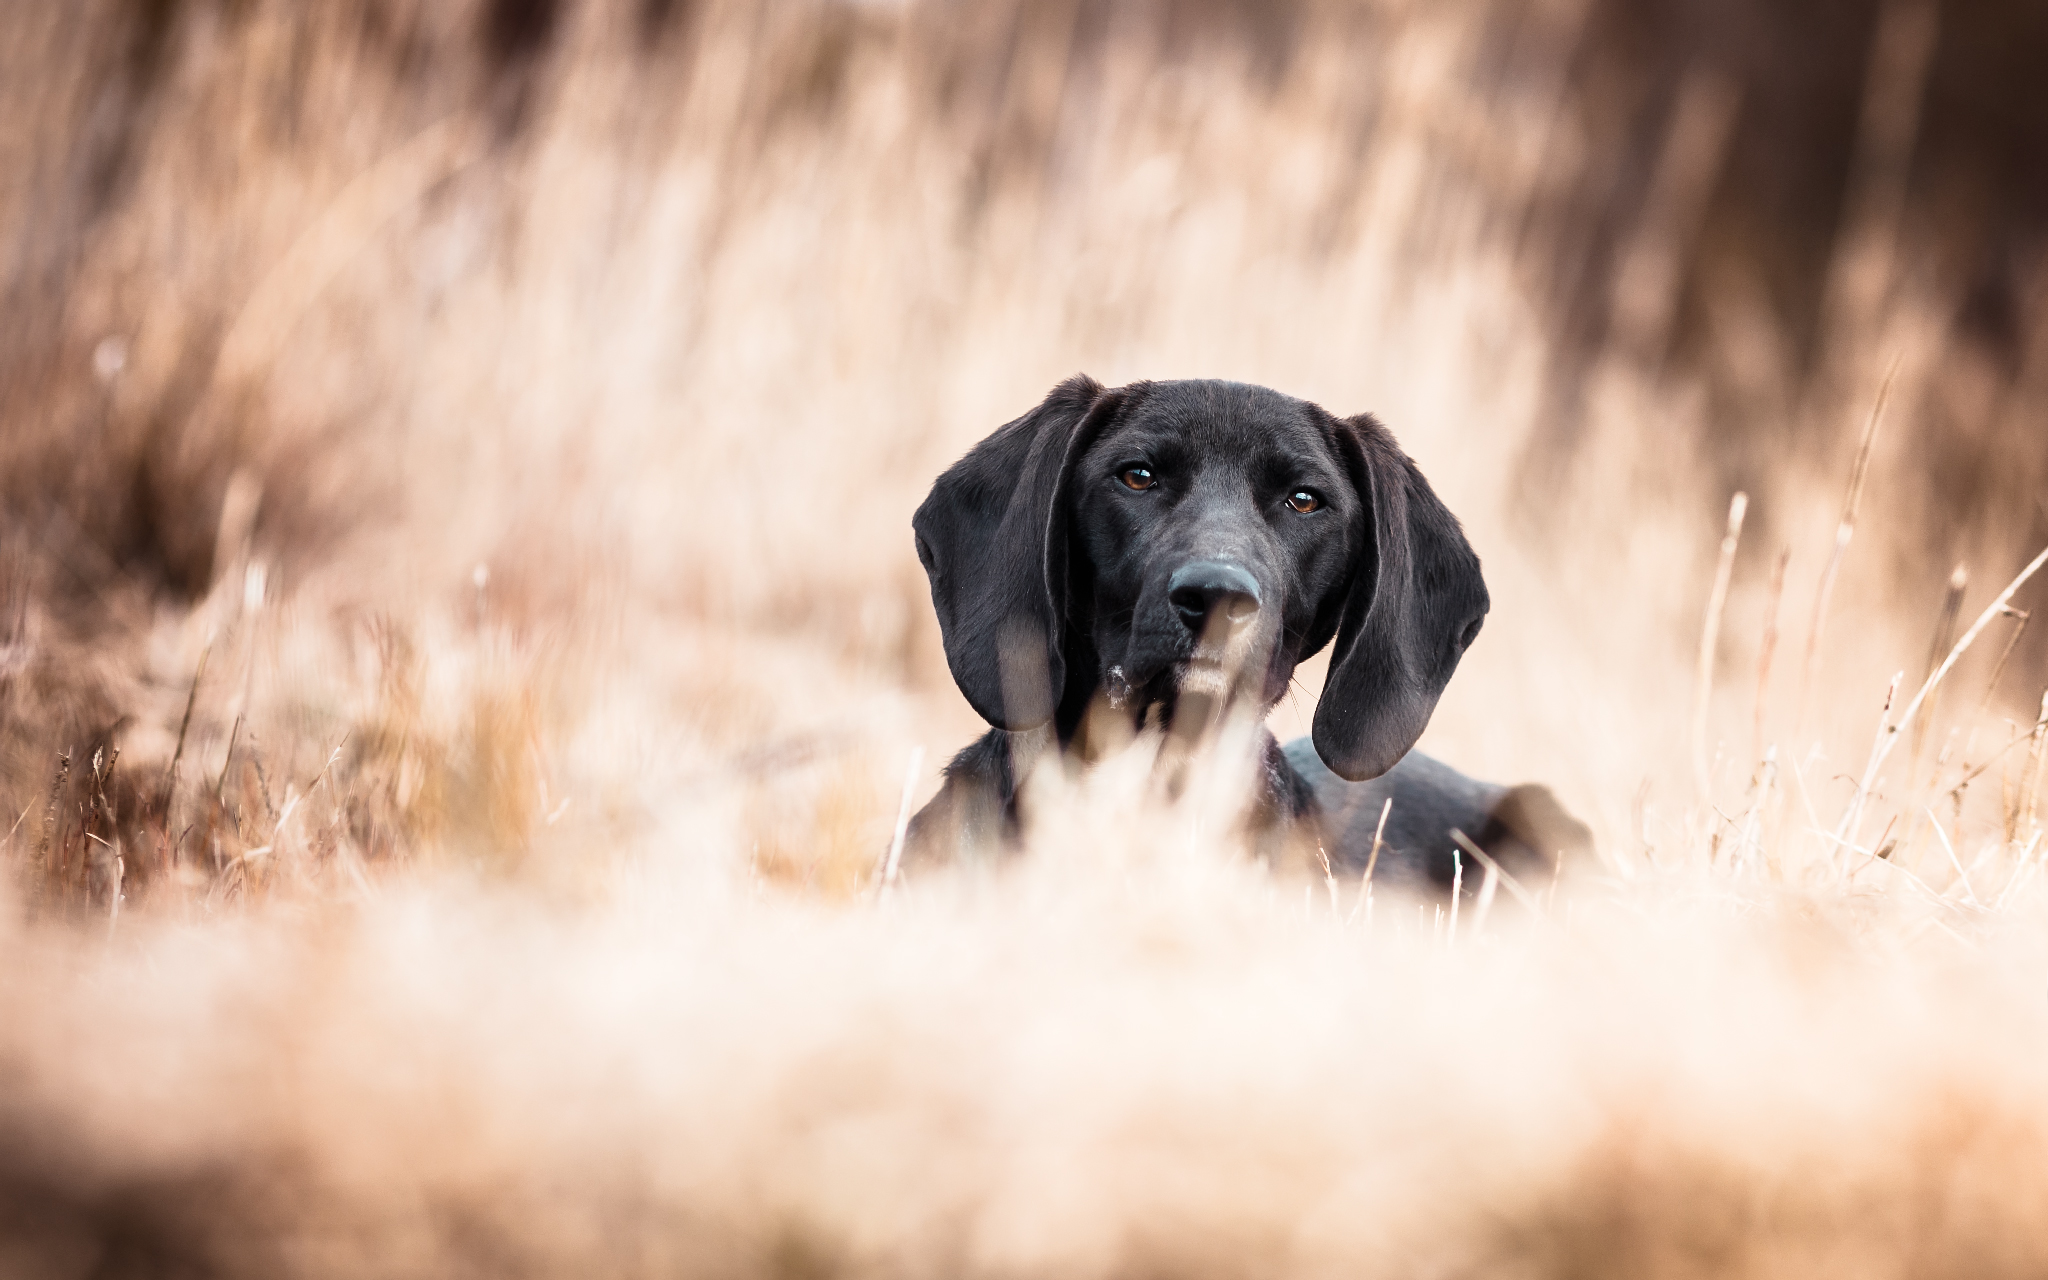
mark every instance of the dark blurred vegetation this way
{"type": "Point", "coordinates": [1912, 133]}
{"type": "Point", "coordinates": [1789, 138]}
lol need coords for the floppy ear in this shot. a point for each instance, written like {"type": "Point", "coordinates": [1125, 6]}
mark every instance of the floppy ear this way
{"type": "Point", "coordinates": [1414, 603]}
{"type": "Point", "coordinates": [992, 537]}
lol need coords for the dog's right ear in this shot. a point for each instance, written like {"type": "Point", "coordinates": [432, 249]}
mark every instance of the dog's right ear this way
{"type": "Point", "coordinates": [992, 538]}
{"type": "Point", "coordinates": [1415, 604]}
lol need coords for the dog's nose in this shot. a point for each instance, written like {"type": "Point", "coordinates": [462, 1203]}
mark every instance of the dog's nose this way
{"type": "Point", "coordinates": [1209, 588]}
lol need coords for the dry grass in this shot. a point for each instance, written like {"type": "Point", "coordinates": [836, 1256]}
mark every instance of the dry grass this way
{"type": "Point", "coordinates": [461, 648]}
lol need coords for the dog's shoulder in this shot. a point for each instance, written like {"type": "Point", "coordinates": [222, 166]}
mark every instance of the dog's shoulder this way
{"type": "Point", "coordinates": [1523, 828]}
{"type": "Point", "coordinates": [974, 814]}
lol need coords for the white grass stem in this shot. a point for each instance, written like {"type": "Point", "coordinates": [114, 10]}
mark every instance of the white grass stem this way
{"type": "Point", "coordinates": [1373, 860]}
{"type": "Point", "coordinates": [1869, 856]}
{"type": "Point", "coordinates": [1844, 531]}
{"type": "Point", "coordinates": [2020, 618]}
{"type": "Point", "coordinates": [2030, 814]}
{"type": "Point", "coordinates": [1888, 736]}
{"type": "Point", "coordinates": [114, 895]}
{"type": "Point", "coordinates": [1512, 885]}
{"type": "Point", "coordinates": [1457, 892]}
{"type": "Point", "coordinates": [1752, 822]}
{"type": "Point", "coordinates": [1710, 640]}
{"type": "Point", "coordinates": [1767, 650]}
{"type": "Point", "coordinates": [1329, 880]}
{"type": "Point", "coordinates": [1961, 875]}
{"type": "Point", "coordinates": [2025, 735]}
{"type": "Point", "coordinates": [24, 817]}
{"type": "Point", "coordinates": [184, 727]}
{"type": "Point", "coordinates": [902, 822]}
{"type": "Point", "coordinates": [1484, 906]}
{"type": "Point", "coordinates": [1944, 635]}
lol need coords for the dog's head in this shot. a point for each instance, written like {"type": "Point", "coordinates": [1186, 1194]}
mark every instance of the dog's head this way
{"type": "Point", "coordinates": [1160, 538]}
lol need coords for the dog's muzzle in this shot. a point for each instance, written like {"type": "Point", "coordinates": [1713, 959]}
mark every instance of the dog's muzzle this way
{"type": "Point", "coordinates": [1218, 602]}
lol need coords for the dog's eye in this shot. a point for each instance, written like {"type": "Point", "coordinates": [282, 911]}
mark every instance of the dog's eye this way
{"type": "Point", "coordinates": [1139, 478]}
{"type": "Point", "coordinates": [1303, 501]}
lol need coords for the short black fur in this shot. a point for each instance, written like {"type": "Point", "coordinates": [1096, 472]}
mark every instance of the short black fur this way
{"type": "Point", "coordinates": [1124, 551]}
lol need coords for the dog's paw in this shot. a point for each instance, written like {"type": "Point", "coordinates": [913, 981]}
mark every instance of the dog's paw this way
{"type": "Point", "coordinates": [1528, 828]}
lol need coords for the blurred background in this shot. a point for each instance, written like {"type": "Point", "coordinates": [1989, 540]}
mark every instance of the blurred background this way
{"type": "Point", "coordinates": [491, 426]}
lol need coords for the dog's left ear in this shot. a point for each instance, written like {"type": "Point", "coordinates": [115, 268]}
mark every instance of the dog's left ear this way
{"type": "Point", "coordinates": [992, 538]}
{"type": "Point", "coordinates": [1414, 604]}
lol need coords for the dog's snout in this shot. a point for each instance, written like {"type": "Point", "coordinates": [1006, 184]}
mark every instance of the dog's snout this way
{"type": "Point", "coordinates": [1212, 588]}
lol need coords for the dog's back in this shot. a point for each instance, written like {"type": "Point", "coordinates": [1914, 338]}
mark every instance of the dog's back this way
{"type": "Point", "coordinates": [1523, 828]}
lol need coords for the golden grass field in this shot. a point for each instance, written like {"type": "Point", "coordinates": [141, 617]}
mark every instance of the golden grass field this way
{"type": "Point", "coordinates": [462, 652]}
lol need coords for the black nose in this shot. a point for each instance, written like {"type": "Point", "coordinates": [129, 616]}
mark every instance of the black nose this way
{"type": "Point", "coordinates": [1208, 587]}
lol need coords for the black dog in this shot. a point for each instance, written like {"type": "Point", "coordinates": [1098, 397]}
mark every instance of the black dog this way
{"type": "Point", "coordinates": [1151, 553]}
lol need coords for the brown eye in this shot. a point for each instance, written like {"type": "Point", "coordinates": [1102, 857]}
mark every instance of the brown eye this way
{"type": "Point", "coordinates": [1303, 501]}
{"type": "Point", "coordinates": [1137, 478]}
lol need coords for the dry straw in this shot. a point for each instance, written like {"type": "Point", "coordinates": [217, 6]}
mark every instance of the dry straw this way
{"type": "Point", "coordinates": [669, 321]}
{"type": "Point", "coordinates": [1845, 529]}
{"type": "Point", "coordinates": [1888, 730]}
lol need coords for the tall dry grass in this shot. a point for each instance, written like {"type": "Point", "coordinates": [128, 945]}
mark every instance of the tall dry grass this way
{"type": "Point", "coordinates": [462, 650]}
